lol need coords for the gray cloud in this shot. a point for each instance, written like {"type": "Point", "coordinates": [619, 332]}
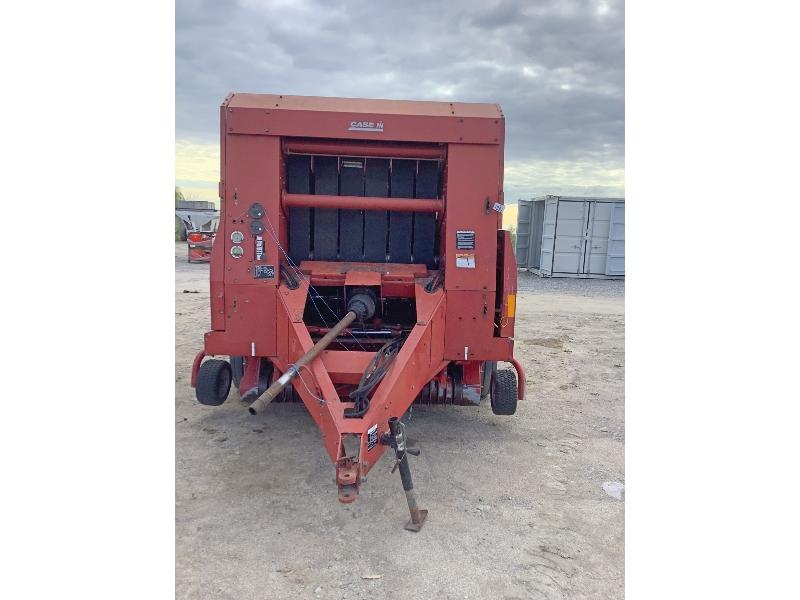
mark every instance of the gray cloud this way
{"type": "Point", "coordinates": [556, 67]}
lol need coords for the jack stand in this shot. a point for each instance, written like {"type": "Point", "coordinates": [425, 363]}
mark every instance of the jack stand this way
{"type": "Point", "coordinates": [397, 440]}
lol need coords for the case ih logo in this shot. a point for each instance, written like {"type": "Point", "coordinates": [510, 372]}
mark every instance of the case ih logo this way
{"type": "Point", "coordinates": [366, 126]}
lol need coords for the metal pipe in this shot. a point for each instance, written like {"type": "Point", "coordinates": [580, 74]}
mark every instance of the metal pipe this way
{"type": "Point", "coordinates": [520, 377]}
{"type": "Point", "coordinates": [363, 149]}
{"type": "Point", "coordinates": [363, 203]}
{"type": "Point", "coordinates": [293, 370]}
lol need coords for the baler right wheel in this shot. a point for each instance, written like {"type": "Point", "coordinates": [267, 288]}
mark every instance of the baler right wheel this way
{"type": "Point", "coordinates": [213, 382]}
{"type": "Point", "coordinates": [504, 392]}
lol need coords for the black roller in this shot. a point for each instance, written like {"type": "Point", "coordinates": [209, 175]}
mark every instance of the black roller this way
{"type": "Point", "coordinates": [427, 186]}
{"type": "Point", "coordinates": [351, 222]}
{"type": "Point", "coordinates": [298, 181]}
{"type": "Point", "coordinates": [326, 220]}
{"type": "Point", "coordinates": [400, 223]}
{"type": "Point", "coordinates": [376, 222]}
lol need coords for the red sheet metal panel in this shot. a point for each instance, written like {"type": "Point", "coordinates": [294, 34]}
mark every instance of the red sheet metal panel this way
{"type": "Point", "coordinates": [346, 366]}
{"type": "Point", "coordinates": [472, 181]}
{"type": "Point", "coordinates": [364, 105]}
{"type": "Point", "coordinates": [508, 285]}
{"type": "Point", "coordinates": [217, 286]}
{"type": "Point", "coordinates": [253, 176]}
{"type": "Point", "coordinates": [355, 118]}
{"type": "Point", "coordinates": [469, 324]}
{"type": "Point", "coordinates": [250, 328]}
{"type": "Point", "coordinates": [365, 278]}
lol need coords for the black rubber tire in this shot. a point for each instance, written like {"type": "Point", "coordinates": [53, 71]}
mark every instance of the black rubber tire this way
{"type": "Point", "coordinates": [237, 369]}
{"type": "Point", "coordinates": [489, 368]}
{"type": "Point", "coordinates": [213, 382]}
{"type": "Point", "coordinates": [504, 392]}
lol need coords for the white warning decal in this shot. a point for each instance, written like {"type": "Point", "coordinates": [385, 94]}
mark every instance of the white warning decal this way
{"type": "Point", "coordinates": [465, 261]}
{"type": "Point", "coordinates": [372, 437]}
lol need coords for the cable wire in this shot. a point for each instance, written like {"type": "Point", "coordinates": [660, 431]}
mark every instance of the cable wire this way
{"type": "Point", "coordinates": [301, 275]}
{"type": "Point", "coordinates": [303, 381]}
{"type": "Point", "coordinates": [373, 375]}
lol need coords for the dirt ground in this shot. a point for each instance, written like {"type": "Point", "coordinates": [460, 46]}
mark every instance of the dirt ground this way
{"type": "Point", "coordinates": [517, 505]}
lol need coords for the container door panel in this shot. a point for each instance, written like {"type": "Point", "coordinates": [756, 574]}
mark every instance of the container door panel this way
{"type": "Point", "coordinates": [615, 260]}
{"type": "Point", "coordinates": [597, 245]}
{"type": "Point", "coordinates": [568, 251]}
{"type": "Point", "coordinates": [536, 234]}
{"type": "Point", "coordinates": [524, 224]}
{"type": "Point", "coordinates": [548, 235]}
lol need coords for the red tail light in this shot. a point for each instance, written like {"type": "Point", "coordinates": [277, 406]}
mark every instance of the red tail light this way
{"type": "Point", "coordinates": [195, 238]}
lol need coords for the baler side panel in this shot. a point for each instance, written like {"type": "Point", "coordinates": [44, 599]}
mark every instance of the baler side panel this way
{"type": "Point", "coordinates": [253, 174]}
{"type": "Point", "coordinates": [469, 325]}
{"type": "Point", "coordinates": [218, 249]}
{"type": "Point", "coordinates": [472, 179]}
{"type": "Point", "coordinates": [250, 326]}
{"type": "Point", "coordinates": [217, 286]}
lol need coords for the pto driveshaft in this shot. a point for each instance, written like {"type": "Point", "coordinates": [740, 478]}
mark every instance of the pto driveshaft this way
{"type": "Point", "coordinates": [294, 370]}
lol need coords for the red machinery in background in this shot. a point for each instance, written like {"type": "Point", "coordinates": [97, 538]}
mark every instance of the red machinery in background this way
{"type": "Point", "coordinates": [199, 220]}
{"type": "Point", "coordinates": [360, 266]}
{"type": "Point", "coordinates": [199, 244]}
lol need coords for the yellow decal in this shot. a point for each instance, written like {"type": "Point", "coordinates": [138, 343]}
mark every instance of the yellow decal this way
{"type": "Point", "coordinates": [512, 305]}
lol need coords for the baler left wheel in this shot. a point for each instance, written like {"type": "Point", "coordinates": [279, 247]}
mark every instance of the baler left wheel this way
{"type": "Point", "coordinates": [504, 392]}
{"type": "Point", "coordinates": [213, 382]}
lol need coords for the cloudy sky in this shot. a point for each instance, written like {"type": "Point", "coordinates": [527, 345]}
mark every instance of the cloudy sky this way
{"type": "Point", "coordinates": [556, 68]}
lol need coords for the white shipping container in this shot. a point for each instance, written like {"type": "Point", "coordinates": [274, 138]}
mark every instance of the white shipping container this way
{"type": "Point", "coordinates": [572, 236]}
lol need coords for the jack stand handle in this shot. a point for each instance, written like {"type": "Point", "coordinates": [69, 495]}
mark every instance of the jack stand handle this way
{"type": "Point", "coordinates": [396, 439]}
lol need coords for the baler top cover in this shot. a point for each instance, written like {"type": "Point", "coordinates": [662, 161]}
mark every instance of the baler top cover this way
{"type": "Point", "coordinates": [398, 120]}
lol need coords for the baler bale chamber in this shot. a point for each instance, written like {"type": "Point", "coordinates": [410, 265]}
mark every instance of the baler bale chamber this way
{"type": "Point", "coordinates": [360, 266]}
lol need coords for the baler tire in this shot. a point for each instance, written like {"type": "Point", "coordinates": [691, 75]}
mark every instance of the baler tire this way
{"type": "Point", "coordinates": [504, 392]}
{"type": "Point", "coordinates": [237, 369]}
{"type": "Point", "coordinates": [489, 368]}
{"type": "Point", "coordinates": [213, 382]}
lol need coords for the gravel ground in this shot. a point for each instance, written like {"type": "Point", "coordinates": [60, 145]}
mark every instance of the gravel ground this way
{"type": "Point", "coordinates": [517, 504]}
{"type": "Point", "coordinates": [594, 288]}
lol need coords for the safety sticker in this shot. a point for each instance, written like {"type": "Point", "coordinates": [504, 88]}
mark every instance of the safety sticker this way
{"type": "Point", "coordinates": [465, 261]}
{"type": "Point", "coordinates": [465, 240]}
{"type": "Point", "coordinates": [264, 272]}
{"type": "Point", "coordinates": [259, 247]}
{"type": "Point", "coordinates": [372, 437]}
